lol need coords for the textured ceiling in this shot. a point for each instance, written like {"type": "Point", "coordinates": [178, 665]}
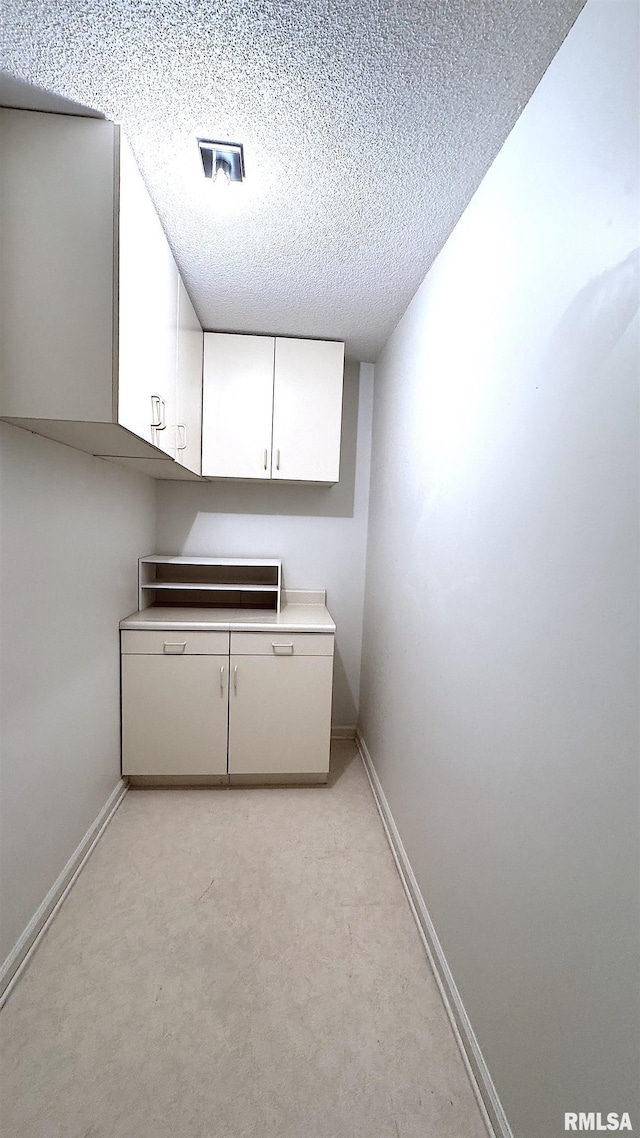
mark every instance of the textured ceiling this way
{"type": "Point", "coordinates": [367, 126]}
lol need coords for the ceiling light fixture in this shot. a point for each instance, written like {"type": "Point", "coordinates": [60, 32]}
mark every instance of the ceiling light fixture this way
{"type": "Point", "coordinates": [222, 162]}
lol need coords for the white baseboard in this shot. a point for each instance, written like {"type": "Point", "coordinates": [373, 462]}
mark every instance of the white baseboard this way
{"type": "Point", "coordinates": [342, 732]}
{"type": "Point", "coordinates": [20, 954]}
{"type": "Point", "coordinates": [492, 1110]}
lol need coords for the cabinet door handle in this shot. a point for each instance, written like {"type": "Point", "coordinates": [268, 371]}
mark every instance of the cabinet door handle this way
{"type": "Point", "coordinates": [235, 680]}
{"type": "Point", "coordinates": [158, 413]}
{"type": "Point", "coordinates": [174, 647]}
{"type": "Point", "coordinates": [183, 444]}
{"type": "Point", "coordinates": [266, 456]}
{"type": "Point", "coordinates": [282, 649]}
{"type": "Point", "coordinates": [277, 460]}
{"type": "Point", "coordinates": [222, 680]}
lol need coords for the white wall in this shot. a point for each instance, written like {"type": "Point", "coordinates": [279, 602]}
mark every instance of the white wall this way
{"type": "Point", "coordinates": [319, 532]}
{"type": "Point", "coordinates": [500, 664]}
{"type": "Point", "coordinates": [73, 527]}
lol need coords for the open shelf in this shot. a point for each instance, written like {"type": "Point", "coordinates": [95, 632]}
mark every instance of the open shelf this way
{"type": "Point", "coordinates": [210, 582]}
{"type": "Point", "coordinates": [210, 588]}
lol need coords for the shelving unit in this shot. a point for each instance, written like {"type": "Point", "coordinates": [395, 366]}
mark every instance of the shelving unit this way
{"type": "Point", "coordinates": [210, 582]}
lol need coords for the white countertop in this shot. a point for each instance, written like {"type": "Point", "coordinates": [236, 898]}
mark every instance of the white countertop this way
{"type": "Point", "coordinates": [292, 618]}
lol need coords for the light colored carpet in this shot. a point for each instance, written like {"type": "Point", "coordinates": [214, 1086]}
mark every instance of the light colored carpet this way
{"type": "Point", "coordinates": [235, 964]}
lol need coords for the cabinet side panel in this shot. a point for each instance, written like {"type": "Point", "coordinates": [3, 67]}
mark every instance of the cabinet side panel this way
{"type": "Point", "coordinates": [56, 273]}
{"type": "Point", "coordinates": [307, 410]}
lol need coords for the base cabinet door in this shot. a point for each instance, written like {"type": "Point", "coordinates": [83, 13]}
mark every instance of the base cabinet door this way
{"type": "Point", "coordinates": [279, 714]}
{"type": "Point", "coordinates": [174, 715]}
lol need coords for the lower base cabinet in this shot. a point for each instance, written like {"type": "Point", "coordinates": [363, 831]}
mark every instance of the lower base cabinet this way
{"type": "Point", "coordinates": [261, 709]}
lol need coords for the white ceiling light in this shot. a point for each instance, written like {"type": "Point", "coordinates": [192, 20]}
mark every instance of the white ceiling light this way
{"type": "Point", "coordinates": [222, 162]}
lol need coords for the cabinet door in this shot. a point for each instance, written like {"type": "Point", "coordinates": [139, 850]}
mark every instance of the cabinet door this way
{"type": "Point", "coordinates": [237, 405]}
{"type": "Point", "coordinates": [307, 410]}
{"type": "Point", "coordinates": [148, 313]}
{"type": "Point", "coordinates": [188, 384]}
{"type": "Point", "coordinates": [280, 714]}
{"type": "Point", "coordinates": [174, 715]}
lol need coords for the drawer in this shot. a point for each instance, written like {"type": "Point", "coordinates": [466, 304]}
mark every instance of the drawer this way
{"type": "Point", "coordinates": [282, 644]}
{"type": "Point", "coordinates": [173, 642]}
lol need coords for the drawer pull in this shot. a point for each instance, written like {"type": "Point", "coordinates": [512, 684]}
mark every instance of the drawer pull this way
{"type": "Point", "coordinates": [235, 680]}
{"type": "Point", "coordinates": [174, 648]}
{"type": "Point", "coordinates": [222, 680]}
{"type": "Point", "coordinates": [282, 649]}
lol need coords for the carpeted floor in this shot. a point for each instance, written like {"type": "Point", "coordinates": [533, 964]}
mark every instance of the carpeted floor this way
{"type": "Point", "coordinates": [235, 964]}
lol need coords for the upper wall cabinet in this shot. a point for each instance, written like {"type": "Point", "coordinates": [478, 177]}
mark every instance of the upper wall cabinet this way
{"type": "Point", "coordinates": [89, 291]}
{"type": "Point", "coordinates": [272, 408]}
{"type": "Point", "coordinates": [188, 385]}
